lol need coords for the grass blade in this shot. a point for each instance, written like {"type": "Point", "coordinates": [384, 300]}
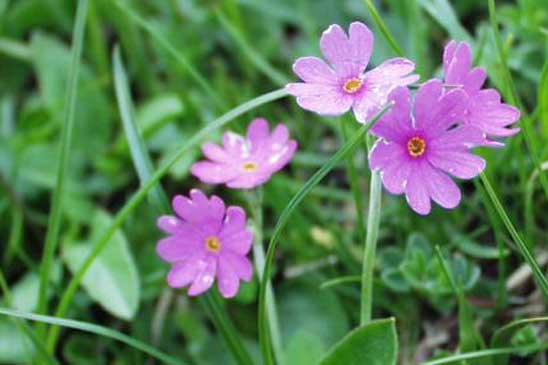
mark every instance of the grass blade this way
{"type": "Point", "coordinates": [264, 333]}
{"type": "Point", "coordinates": [139, 195]}
{"type": "Point", "coordinates": [255, 57]}
{"type": "Point", "coordinates": [383, 28]}
{"type": "Point", "coordinates": [95, 329]}
{"type": "Point", "coordinates": [487, 353]}
{"type": "Point", "coordinates": [139, 154]}
{"type": "Point", "coordinates": [180, 57]}
{"type": "Point", "coordinates": [54, 220]}
{"type": "Point", "coordinates": [518, 240]}
{"type": "Point", "coordinates": [443, 13]}
{"type": "Point", "coordinates": [143, 165]}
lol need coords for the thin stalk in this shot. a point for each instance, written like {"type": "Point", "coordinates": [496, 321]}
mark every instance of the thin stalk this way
{"type": "Point", "coordinates": [373, 224]}
{"type": "Point", "coordinates": [515, 99]}
{"type": "Point", "coordinates": [353, 177]}
{"type": "Point", "coordinates": [214, 305]}
{"type": "Point", "coordinates": [518, 240]}
{"type": "Point", "coordinates": [139, 195]}
{"type": "Point", "coordinates": [54, 221]}
{"type": "Point", "coordinates": [383, 28]}
{"type": "Point", "coordinates": [95, 329]}
{"type": "Point", "coordinates": [348, 147]}
{"type": "Point", "coordinates": [256, 203]}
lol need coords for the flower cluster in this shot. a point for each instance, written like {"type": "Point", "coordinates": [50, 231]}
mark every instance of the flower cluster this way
{"type": "Point", "coordinates": [423, 141]}
{"type": "Point", "coordinates": [206, 240]}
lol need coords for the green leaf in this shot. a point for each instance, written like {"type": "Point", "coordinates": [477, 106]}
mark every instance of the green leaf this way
{"type": "Point", "coordinates": [372, 344]}
{"type": "Point", "coordinates": [112, 279]}
{"type": "Point", "coordinates": [15, 347]}
{"type": "Point", "coordinates": [443, 13]}
{"type": "Point", "coordinates": [304, 348]}
{"type": "Point", "coordinates": [543, 99]}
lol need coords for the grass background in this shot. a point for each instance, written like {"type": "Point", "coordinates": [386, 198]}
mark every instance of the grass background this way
{"type": "Point", "coordinates": [187, 63]}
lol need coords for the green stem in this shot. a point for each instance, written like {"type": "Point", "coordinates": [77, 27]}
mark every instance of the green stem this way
{"type": "Point", "coordinates": [214, 305]}
{"type": "Point", "coordinates": [256, 202]}
{"type": "Point", "coordinates": [54, 221]}
{"type": "Point", "coordinates": [383, 28]}
{"type": "Point", "coordinates": [139, 195]}
{"type": "Point", "coordinates": [373, 223]}
{"type": "Point", "coordinates": [357, 137]}
{"type": "Point", "coordinates": [95, 329]}
{"type": "Point", "coordinates": [518, 240]}
{"type": "Point", "coordinates": [353, 176]}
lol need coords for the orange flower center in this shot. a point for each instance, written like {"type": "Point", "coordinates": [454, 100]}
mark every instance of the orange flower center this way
{"type": "Point", "coordinates": [352, 85]}
{"type": "Point", "coordinates": [416, 146]}
{"type": "Point", "coordinates": [250, 166]}
{"type": "Point", "coordinates": [213, 244]}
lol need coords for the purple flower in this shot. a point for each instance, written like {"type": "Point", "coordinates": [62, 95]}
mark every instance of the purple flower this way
{"type": "Point", "coordinates": [243, 163]}
{"type": "Point", "coordinates": [419, 149]}
{"type": "Point", "coordinates": [205, 241]}
{"type": "Point", "coordinates": [484, 108]}
{"type": "Point", "coordinates": [334, 90]}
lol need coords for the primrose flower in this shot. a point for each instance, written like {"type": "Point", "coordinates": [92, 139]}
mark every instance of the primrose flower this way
{"type": "Point", "coordinates": [419, 148]}
{"type": "Point", "coordinates": [484, 109]}
{"type": "Point", "coordinates": [343, 84]}
{"type": "Point", "coordinates": [246, 162]}
{"type": "Point", "coordinates": [205, 241]}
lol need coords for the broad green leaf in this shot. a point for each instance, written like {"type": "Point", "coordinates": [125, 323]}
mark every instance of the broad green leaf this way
{"type": "Point", "coordinates": [304, 348]}
{"type": "Point", "coordinates": [112, 279]}
{"type": "Point", "coordinates": [373, 344]}
{"type": "Point", "coordinates": [15, 347]}
{"type": "Point", "coordinates": [92, 114]}
{"type": "Point", "coordinates": [443, 13]}
{"type": "Point", "coordinates": [25, 291]}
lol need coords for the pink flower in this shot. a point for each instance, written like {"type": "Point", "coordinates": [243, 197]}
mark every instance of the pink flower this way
{"type": "Point", "coordinates": [334, 90]}
{"type": "Point", "coordinates": [484, 108]}
{"type": "Point", "coordinates": [244, 163]}
{"type": "Point", "coordinates": [419, 149]}
{"type": "Point", "coordinates": [205, 241]}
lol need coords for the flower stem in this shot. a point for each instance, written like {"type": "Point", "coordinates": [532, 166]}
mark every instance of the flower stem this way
{"type": "Point", "coordinates": [373, 223]}
{"type": "Point", "coordinates": [256, 201]}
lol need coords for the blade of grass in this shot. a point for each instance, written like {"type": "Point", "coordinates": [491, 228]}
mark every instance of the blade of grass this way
{"type": "Point", "coordinates": [443, 13]}
{"type": "Point", "coordinates": [515, 99]}
{"type": "Point", "coordinates": [516, 237]}
{"type": "Point", "coordinates": [95, 329]}
{"type": "Point", "coordinates": [488, 353]}
{"type": "Point", "coordinates": [180, 57]}
{"type": "Point", "coordinates": [383, 28]}
{"type": "Point", "coordinates": [139, 195]}
{"type": "Point", "coordinates": [143, 165]}
{"type": "Point", "coordinates": [508, 329]}
{"type": "Point", "coordinates": [54, 219]}
{"type": "Point", "coordinates": [341, 280]}
{"type": "Point", "coordinates": [22, 326]}
{"type": "Point", "coordinates": [264, 332]}
{"type": "Point", "coordinates": [140, 157]}
{"type": "Point", "coordinates": [255, 57]}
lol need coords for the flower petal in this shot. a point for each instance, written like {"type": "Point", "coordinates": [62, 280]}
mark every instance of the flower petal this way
{"type": "Point", "coordinates": [487, 112]}
{"type": "Point", "coordinates": [214, 173]}
{"type": "Point", "coordinates": [416, 191]}
{"type": "Point", "coordinates": [461, 164]}
{"type": "Point", "coordinates": [315, 71]}
{"type": "Point", "coordinates": [207, 268]}
{"type": "Point", "coordinates": [249, 180]}
{"type": "Point", "coordinates": [322, 99]}
{"type": "Point", "coordinates": [235, 221]}
{"type": "Point", "coordinates": [258, 134]}
{"type": "Point", "coordinates": [390, 159]}
{"type": "Point", "coordinates": [342, 51]}
{"type": "Point", "coordinates": [474, 81]}
{"type": "Point", "coordinates": [235, 145]}
{"type": "Point", "coordinates": [459, 65]}
{"type": "Point", "coordinates": [240, 264]}
{"type": "Point", "coordinates": [183, 273]}
{"type": "Point", "coordinates": [227, 279]}
{"type": "Point", "coordinates": [169, 223]}
{"type": "Point", "coordinates": [239, 242]}
{"type": "Point", "coordinates": [396, 124]}
{"type": "Point", "coordinates": [214, 152]}
{"type": "Point", "coordinates": [463, 138]}
{"type": "Point", "coordinates": [277, 159]}
{"type": "Point", "coordinates": [178, 248]}
{"type": "Point", "coordinates": [441, 188]}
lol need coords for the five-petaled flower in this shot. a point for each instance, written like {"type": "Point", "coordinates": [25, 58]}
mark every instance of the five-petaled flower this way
{"type": "Point", "coordinates": [484, 108]}
{"type": "Point", "coordinates": [334, 90]}
{"type": "Point", "coordinates": [206, 240]}
{"type": "Point", "coordinates": [418, 149]}
{"type": "Point", "coordinates": [246, 162]}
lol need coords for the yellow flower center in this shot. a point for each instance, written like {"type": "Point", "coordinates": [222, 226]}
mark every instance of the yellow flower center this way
{"type": "Point", "coordinates": [213, 244]}
{"type": "Point", "coordinates": [416, 146]}
{"type": "Point", "coordinates": [250, 166]}
{"type": "Point", "coordinates": [352, 85]}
